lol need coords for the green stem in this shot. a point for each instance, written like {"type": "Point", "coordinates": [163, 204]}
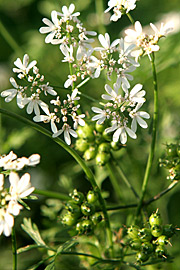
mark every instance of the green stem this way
{"type": "Point", "coordinates": [79, 160]}
{"type": "Point", "coordinates": [130, 18]}
{"type": "Point", "coordinates": [9, 39]}
{"type": "Point", "coordinates": [51, 194]}
{"type": "Point", "coordinates": [124, 178]}
{"type": "Point", "coordinates": [14, 248]}
{"type": "Point", "coordinates": [153, 142]}
{"type": "Point", "coordinates": [113, 179]}
{"type": "Point", "coordinates": [100, 13]}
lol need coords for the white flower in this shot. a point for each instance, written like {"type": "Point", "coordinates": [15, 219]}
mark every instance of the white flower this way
{"type": "Point", "coordinates": [101, 115]}
{"type": "Point", "coordinates": [23, 67]}
{"type": "Point", "coordinates": [78, 120]}
{"type": "Point", "coordinates": [20, 188]}
{"type": "Point", "coordinates": [34, 103]}
{"type": "Point", "coordinates": [123, 77]}
{"type": "Point", "coordinates": [136, 94]}
{"type": "Point", "coordinates": [48, 89]}
{"type": "Point", "coordinates": [7, 159]}
{"type": "Point", "coordinates": [133, 35]}
{"type": "Point", "coordinates": [113, 94]}
{"type": "Point", "coordinates": [94, 66]}
{"type": "Point", "coordinates": [6, 222]}
{"type": "Point", "coordinates": [14, 207]}
{"type": "Point", "coordinates": [67, 132]}
{"type": "Point", "coordinates": [164, 29]}
{"type": "Point", "coordinates": [73, 96]}
{"type": "Point", "coordinates": [105, 42]}
{"type": "Point", "coordinates": [53, 28]}
{"type": "Point", "coordinates": [125, 55]}
{"type": "Point", "coordinates": [84, 49]}
{"type": "Point", "coordinates": [118, 6]}
{"type": "Point", "coordinates": [68, 53]}
{"type": "Point", "coordinates": [9, 94]}
{"type": "Point", "coordinates": [138, 118]}
{"type": "Point", "coordinates": [51, 117]}
{"type": "Point", "coordinates": [1, 181]}
{"type": "Point", "coordinates": [70, 80]}
{"type": "Point", "coordinates": [120, 133]}
{"type": "Point", "coordinates": [68, 13]}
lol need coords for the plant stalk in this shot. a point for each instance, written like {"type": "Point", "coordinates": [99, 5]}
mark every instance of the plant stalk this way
{"type": "Point", "coordinates": [14, 248]}
{"type": "Point", "coordinates": [51, 194]}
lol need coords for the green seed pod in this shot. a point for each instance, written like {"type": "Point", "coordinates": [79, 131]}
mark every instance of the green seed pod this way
{"type": "Point", "coordinates": [73, 208]}
{"type": "Point", "coordinates": [115, 145]}
{"type": "Point", "coordinates": [169, 230]}
{"type": "Point", "coordinates": [136, 244]}
{"type": "Point", "coordinates": [141, 257]}
{"type": "Point", "coordinates": [156, 230]}
{"type": "Point", "coordinates": [102, 158]}
{"type": "Point", "coordinates": [86, 132]}
{"type": "Point", "coordinates": [160, 251]}
{"type": "Point", "coordinates": [107, 136]}
{"type": "Point", "coordinates": [99, 128]}
{"type": "Point", "coordinates": [79, 228]}
{"type": "Point", "coordinates": [81, 145]}
{"type": "Point", "coordinates": [92, 196]}
{"type": "Point", "coordinates": [96, 218]}
{"type": "Point", "coordinates": [77, 197]}
{"type": "Point", "coordinates": [162, 240]}
{"type": "Point", "coordinates": [88, 226]}
{"type": "Point", "coordinates": [104, 147]}
{"type": "Point", "coordinates": [145, 234]}
{"type": "Point", "coordinates": [87, 209]}
{"type": "Point", "coordinates": [68, 219]}
{"type": "Point", "coordinates": [147, 247]}
{"type": "Point", "coordinates": [155, 219]}
{"type": "Point", "coordinates": [90, 153]}
{"type": "Point", "coordinates": [133, 231]}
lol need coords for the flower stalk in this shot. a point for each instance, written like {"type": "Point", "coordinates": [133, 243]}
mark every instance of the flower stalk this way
{"type": "Point", "coordinates": [153, 142]}
{"type": "Point", "coordinates": [14, 248]}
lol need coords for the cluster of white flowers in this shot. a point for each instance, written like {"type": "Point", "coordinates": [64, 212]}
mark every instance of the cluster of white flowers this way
{"type": "Point", "coordinates": [20, 188]}
{"type": "Point", "coordinates": [120, 7]}
{"type": "Point", "coordinates": [30, 93]}
{"type": "Point", "coordinates": [146, 44]}
{"type": "Point", "coordinates": [65, 112]}
{"type": "Point", "coordinates": [120, 109]}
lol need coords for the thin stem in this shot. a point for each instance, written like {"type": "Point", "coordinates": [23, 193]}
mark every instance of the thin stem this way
{"type": "Point", "coordinates": [124, 178]}
{"type": "Point", "coordinates": [79, 160]}
{"type": "Point", "coordinates": [113, 179]}
{"type": "Point", "coordinates": [153, 142]}
{"type": "Point", "coordinates": [83, 82]}
{"type": "Point", "coordinates": [1, 133]}
{"type": "Point", "coordinates": [100, 13]}
{"type": "Point", "coordinates": [51, 194]}
{"type": "Point", "coordinates": [130, 18]}
{"type": "Point", "coordinates": [14, 248]}
{"type": "Point", "coordinates": [9, 39]}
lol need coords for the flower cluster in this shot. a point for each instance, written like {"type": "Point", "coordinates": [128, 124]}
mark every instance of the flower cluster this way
{"type": "Point", "coordinates": [11, 198]}
{"type": "Point", "coordinates": [120, 7]}
{"type": "Point", "coordinates": [64, 114]}
{"type": "Point", "coordinates": [171, 161]}
{"type": "Point", "coordinates": [31, 93]}
{"type": "Point", "coordinates": [146, 44]}
{"type": "Point", "coordinates": [119, 109]}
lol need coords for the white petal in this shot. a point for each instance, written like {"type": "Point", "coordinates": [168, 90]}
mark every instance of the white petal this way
{"type": "Point", "coordinates": [67, 137]}
{"type": "Point", "coordinates": [123, 136]}
{"type": "Point", "coordinates": [141, 122]}
{"type": "Point", "coordinates": [96, 110]}
{"type": "Point", "coordinates": [134, 125]}
{"type": "Point", "coordinates": [144, 114]}
{"type": "Point", "coordinates": [13, 82]}
{"type": "Point", "coordinates": [136, 89]}
{"type": "Point", "coordinates": [117, 134]}
{"type": "Point", "coordinates": [53, 127]}
{"type": "Point", "coordinates": [30, 107]}
{"type": "Point", "coordinates": [130, 133]}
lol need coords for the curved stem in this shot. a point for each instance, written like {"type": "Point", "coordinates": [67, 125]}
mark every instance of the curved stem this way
{"type": "Point", "coordinates": [100, 13]}
{"type": "Point", "coordinates": [79, 160]}
{"type": "Point", "coordinates": [154, 132]}
{"type": "Point", "coordinates": [51, 194]}
{"type": "Point", "coordinates": [130, 18]}
{"type": "Point", "coordinates": [14, 248]}
{"type": "Point", "coordinates": [124, 178]}
{"type": "Point", "coordinates": [113, 179]}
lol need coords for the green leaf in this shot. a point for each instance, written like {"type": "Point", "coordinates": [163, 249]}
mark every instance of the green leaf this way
{"type": "Point", "coordinates": [51, 266]}
{"type": "Point", "coordinates": [67, 245]}
{"type": "Point", "coordinates": [32, 230]}
{"type": "Point", "coordinates": [26, 248]}
{"type": "Point", "coordinates": [24, 204]}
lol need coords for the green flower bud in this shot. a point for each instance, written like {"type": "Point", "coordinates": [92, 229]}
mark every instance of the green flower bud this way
{"type": "Point", "coordinates": [160, 251]}
{"type": "Point", "coordinates": [87, 208]}
{"type": "Point", "coordinates": [92, 196]}
{"type": "Point", "coordinates": [73, 208]}
{"type": "Point", "coordinates": [145, 234]}
{"type": "Point", "coordinates": [99, 128]}
{"type": "Point", "coordinates": [141, 257]}
{"type": "Point", "coordinates": [171, 150]}
{"type": "Point", "coordinates": [69, 219]}
{"type": "Point", "coordinates": [115, 145]}
{"type": "Point", "coordinates": [133, 231]}
{"type": "Point", "coordinates": [81, 145]}
{"type": "Point", "coordinates": [96, 218]}
{"type": "Point", "coordinates": [86, 132]}
{"type": "Point", "coordinates": [104, 147]}
{"type": "Point", "coordinates": [147, 247]}
{"type": "Point", "coordinates": [136, 244]}
{"type": "Point", "coordinates": [156, 230]}
{"type": "Point", "coordinates": [90, 153]}
{"type": "Point", "coordinates": [88, 226]}
{"type": "Point", "coordinates": [77, 197]}
{"type": "Point", "coordinates": [162, 240]}
{"type": "Point", "coordinates": [155, 219]}
{"type": "Point", "coordinates": [107, 136]}
{"type": "Point", "coordinates": [102, 158]}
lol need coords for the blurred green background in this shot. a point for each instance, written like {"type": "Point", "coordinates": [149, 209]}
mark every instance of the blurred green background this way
{"type": "Point", "coordinates": [19, 24]}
